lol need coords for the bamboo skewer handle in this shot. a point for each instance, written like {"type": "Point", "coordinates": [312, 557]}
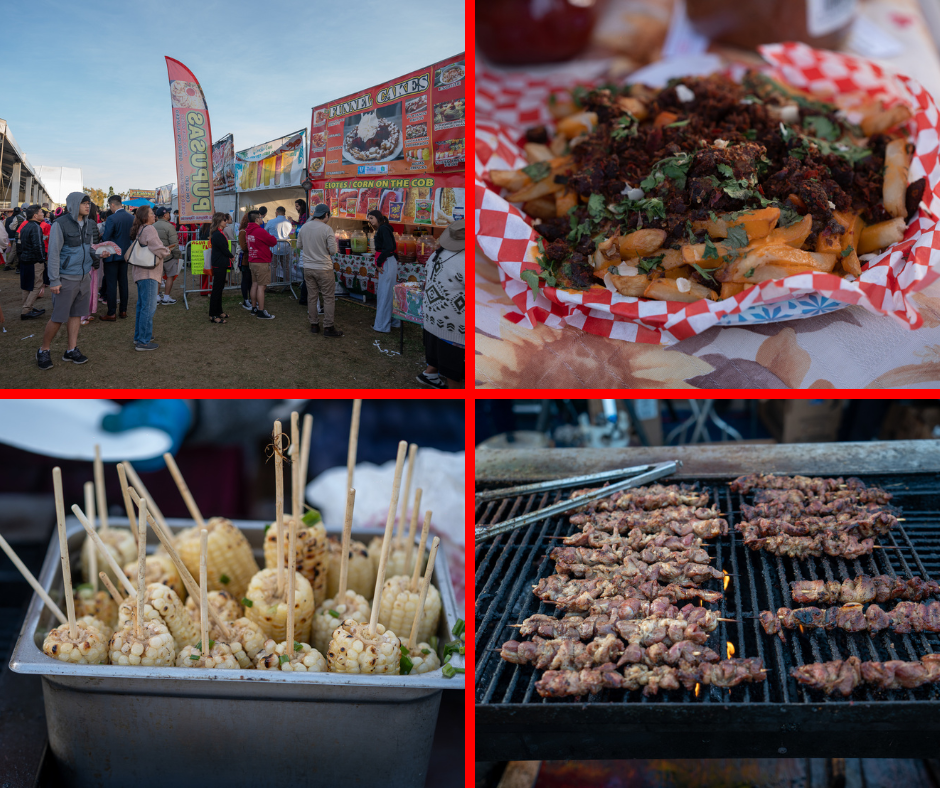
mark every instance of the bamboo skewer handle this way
{"type": "Point", "coordinates": [424, 593]}
{"type": "Point", "coordinates": [93, 553]}
{"type": "Point", "coordinates": [412, 456]}
{"type": "Point", "coordinates": [34, 583]}
{"type": "Point", "coordinates": [184, 491]}
{"type": "Point", "coordinates": [353, 443]}
{"type": "Point", "coordinates": [387, 538]}
{"type": "Point", "coordinates": [115, 594]}
{"type": "Point", "coordinates": [141, 566]}
{"type": "Point", "coordinates": [118, 572]}
{"type": "Point", "coordinates": [344, 560]}
{"type": "Point", "coordinates": [126, 492]}
{"type": "Point", "coordinates": [295, 465]}
{"type": "Point", "coordinates": [305, 434]}
{"type": "Point", "coordinates": [410, 549]}
{"type": "Point", "coordinates": [100, 489]}
{"type": "Point", "coordinates": [203, 594]}
{"type": "Point", "coordinates": [291, 578]}
{"type": "Point", "coordinates": [64, 552]}
{"type": "Point", "coordinates": [279, 506]}
{"type": "Point", "coordinates": [424, 540]}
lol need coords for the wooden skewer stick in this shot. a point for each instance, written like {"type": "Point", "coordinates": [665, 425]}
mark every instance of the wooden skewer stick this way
{"type": "Point", "coordinates": [305, 435]}
{"type": "Point", "coordinates": [412, 455]}
{"type": "Point", "coordinates": [412, 640]}
{"type": "Point", "coordinates": [204, 593]}
{"type": "Point", "coordinates": [115, 594]}
{"type": "Point", "coordinates": [28, 576]}
{"type": "Point", "coordinates": [141, 566]}
{"type": "Point", "coordinates": [125, 491]}
{"type": "Point", "coordinates": [295, 465]}
{"type": "Point", "coordinates": [93, 553]}
{"type": "Point", "coordinates": [279, 506]}
{"type": "Point", "coordinates": [387, 538]}
{"type": "Point", "coordinates": [344, 561]}
{"type": "Point", "coordinates": [353, 443]}
{"type": "Point", "coordinates": [100, 489]}
{"type": "Point", "coordinates": [64, 552]}
{"type": "Point", "coordinates": [733, 620]}
{"type": "Point", "coordinates": [118, 572]}
{"type": "Point", "coordinates": [410, 549]}
{"type": "Point", "coordinates": [138, 485]}
{"type": "Point", "coordinates": [184, 491]}
{"type": "Point", "coordinates": [291, 577]}
{"type": "Point", "coordinates": [162, 530]}
{"type": "Point", "coordinates": [413, 585]}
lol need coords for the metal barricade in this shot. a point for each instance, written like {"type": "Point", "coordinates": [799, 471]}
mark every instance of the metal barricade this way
{"type": "Point", "coordinates": [281, 270]}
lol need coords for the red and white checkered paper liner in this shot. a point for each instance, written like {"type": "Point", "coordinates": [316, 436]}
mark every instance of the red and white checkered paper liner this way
{"type": "Point", "coordinates": [508, 104]}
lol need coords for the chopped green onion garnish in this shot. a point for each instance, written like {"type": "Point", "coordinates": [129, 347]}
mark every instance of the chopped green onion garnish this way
{"type": "Point", "coordinates": [84, 587]}
{"type": "Point", "coordinates": [450, 671]}
{"type": "Point", "coordinates": [425, 651]}
{"type": "Point", "coordinates": [458, 628]}
{"type": "Point", "coordinates": [433, 642]}
{"type": "Point", "coordinates": [247, 602]}
{"type": "Point", "coordinates": [284, 658]}
{"type": "Point", "coordinates": [406, 664]}
{"type": "Point", "coordinates": [312, 517]}
{"type": "Point", "coordinates": [194, 658]}
{"type": "Point", "coordinates": [333, 613]}
{"type": "Point", "coordinates": [449, 649]}
{"type": "Point", "coordinates": [298, 646]}
{"type": "Point", "coordinates": [404, 650]}
{"type": "Point", "coordinates": [224, 579]}
{"type": "Point", "coordinates": [266, 527]}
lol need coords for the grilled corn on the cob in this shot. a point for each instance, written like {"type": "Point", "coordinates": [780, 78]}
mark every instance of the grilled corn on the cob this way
{"type": "Point", "coordinates": [353, 650]}
{"type": "Point", "coordinates": [333, 612]}
{"type": "Point", "coordinates": [89, 648]}
{"type": "Point", "coordinates": [269, 611]}
{"type": "Point", "coordinates": [231, 564]}
{"type": "Point", "coordinates": [423, 658]}
{"type": "Point", "coordinates": [155, 649]}
{"type": "Point", "coordinates": [127, 613]}
{"type": "Point", "coordinates": [305, 659]}
{"type": "Point", "coordinates": [97, 623]}
{"type": "Point", "coordinates": [165, 601]}
{"type": "Point", "coordinates": [98, 604]}
{"type": "Point", "coordinates": [119, 542]}
{"type": "Point", "coordinates": [246, 640]}
{"type": "Point", "coordinates": [221, 601]}
{"type": "Point", "coordinates": [311, 553]}
{"type": "Point", "coordinates": [360, 575]}
{"type": "Point", "coordinates": [399, 604]}
{"type": "Point", "coordinates": [220, 657]}
{"type": "Point", "coordinates": [159, 569]}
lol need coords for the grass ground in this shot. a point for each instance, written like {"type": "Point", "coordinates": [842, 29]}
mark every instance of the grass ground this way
{"type": "Point", "coordinates": [194, 353]}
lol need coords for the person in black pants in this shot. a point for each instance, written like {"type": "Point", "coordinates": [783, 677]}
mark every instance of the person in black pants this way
{"type": "Point", "coordinates": [243, 263]}
{"type": "Point", "coordinates": [221, 254]}
{"type": "Point", "coordinates": [117, 228]}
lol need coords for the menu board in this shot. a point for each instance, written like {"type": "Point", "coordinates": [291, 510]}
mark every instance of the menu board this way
{"type": "Point", "coordinates": [273, 165]}
{"type": "Point", "coordinates": [223, 163]}
{"type": "Point", "coordinates": [430, 200]}
{"type": "Point", "coordinates": [412, 124]}
{"type": "Point", "coordinates": [164, 194]}
{"type": "Point", "coordinates": [138, 194]}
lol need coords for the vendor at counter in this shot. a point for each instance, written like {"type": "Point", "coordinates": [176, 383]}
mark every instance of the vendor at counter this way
{"type": "Point", "coordinates": [387, 263]}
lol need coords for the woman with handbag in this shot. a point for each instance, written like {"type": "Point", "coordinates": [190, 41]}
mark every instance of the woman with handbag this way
{"type": "Point", "coordinates": [221, 254]}
{"type": "Point", "coordinates": [146, 257]}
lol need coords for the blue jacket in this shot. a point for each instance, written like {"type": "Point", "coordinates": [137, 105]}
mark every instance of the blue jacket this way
{"type": "Point", "coordinates": [117, 228]}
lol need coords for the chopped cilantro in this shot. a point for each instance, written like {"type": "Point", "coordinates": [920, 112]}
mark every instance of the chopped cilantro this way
{"type": "Point", "coordinates": [726, 170]}
{"type": "Point", "coordinates": [748, 273]}
{"type": "Point", "coordinates": [737, 236]}
{"type": "Point", "coordinates": [750, 134]}
{"type": "Point", "coordinates": [597, 207]}
{"type": "Point", "coordinates": [824, 128]}
{"type": "Point", "coordinates": [737, 189]}
{"type": "Point", "coordinates": [224, 579]}
{"type": "Point", "coordinates": [705, 274]}
{"type": "Point", "coordinates": [625, 127]}
{"type": "Point", "coordinates": [538, 171]}
{"type": "Point", "coordinates": [247, 602]}
{"type": "Point", "coordinates": [711, 251]}
{"type": "Point", "coordinates": [848, 250]}
{"type": "Point", "coordinates": [647, 264]}
{"type": "Point", "coordinates": [652, 207]}
{"type": "Point", "coordinates": [579, 231]}
{"type": "Point", "coordinates": [531, 278]}
{"type": "Point", "coordinates": [578, 95]}
{"type": "Point", "coordinates": [678, 124]}
{"type": "Point", "coordinates": [673, 167]}
{"type": "Point", "coordinates": [690, 232]}
{"type": "Point", "coordinates": [788, 215]}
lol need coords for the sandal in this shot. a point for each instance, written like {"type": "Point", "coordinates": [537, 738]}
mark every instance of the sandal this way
{"type": "Point", "coordinates": [223, 315]}
{"type": "Point", "coordinates": [217, 320]}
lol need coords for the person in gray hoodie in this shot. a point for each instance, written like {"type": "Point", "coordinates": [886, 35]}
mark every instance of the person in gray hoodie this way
{"type": "Point", "coordinates": [70, 261]}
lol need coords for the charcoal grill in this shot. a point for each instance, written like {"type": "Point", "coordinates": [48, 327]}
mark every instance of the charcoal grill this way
{"type": "Point", "coordinates": [775, 718]}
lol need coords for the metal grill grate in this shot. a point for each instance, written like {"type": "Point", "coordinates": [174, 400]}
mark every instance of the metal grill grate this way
{"type": "Point", "coordinates": [508, 566]}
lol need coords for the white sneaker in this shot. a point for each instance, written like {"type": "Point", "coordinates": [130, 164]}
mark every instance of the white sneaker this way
{"type": "Point", "coordinates": [160, 298]}
{"type": "Point", "coordinates": [246, 304]}
{"type": "Point", "coordinates": [167, 300]}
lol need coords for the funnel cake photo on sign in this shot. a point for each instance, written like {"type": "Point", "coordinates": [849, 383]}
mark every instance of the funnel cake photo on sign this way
{"type": "Point", "coordinates": [186, 95]}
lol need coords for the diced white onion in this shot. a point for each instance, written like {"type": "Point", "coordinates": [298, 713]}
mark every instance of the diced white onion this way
{"type": "Point", "coordinates": [683, 285]}
{"type": "Point", "coordinates": [627, 270]}
{"type": "Point", "coordinates": [790, 113]}
{"type": "Point", "coordinates": [684, 94]}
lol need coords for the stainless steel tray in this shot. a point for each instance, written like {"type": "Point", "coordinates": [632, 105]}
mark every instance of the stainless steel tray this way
{"type": "Point", "coordinates": [113, 726]}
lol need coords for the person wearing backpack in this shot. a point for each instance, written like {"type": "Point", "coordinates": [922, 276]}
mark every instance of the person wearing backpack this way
{"type": "Point", "coordinates": [70, 262]}
{"type": "Point", "coordinates": [32, 255]}
{"type": "Point", "coordinates": [13, 221]}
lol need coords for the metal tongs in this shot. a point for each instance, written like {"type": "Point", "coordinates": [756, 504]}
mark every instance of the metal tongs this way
{"type": "Point", "coordinates": [639, 474]}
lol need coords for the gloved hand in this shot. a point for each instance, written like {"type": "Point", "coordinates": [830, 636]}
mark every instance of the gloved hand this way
{"type": "Point", "coordinates": [173, 416]}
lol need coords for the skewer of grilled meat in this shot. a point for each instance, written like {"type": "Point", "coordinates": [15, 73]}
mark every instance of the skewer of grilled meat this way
{"type": "Point", "coordinates": [656, 496]}
{"type": "Point", "coordinates": [562, 653]}
{"type": "Point", "coordinates": [628, 519]}
{"type": "Point", "coordinates": [634, 540]}
{"type": "Point", "coordinates": [683, 573]}
{"type": "Point", "coordinates": [858, 525]}
{"type": "Point", "coordinates": [579, 595]}
{"type": "Point", "coordinates": [810, 484]}
{"type": "Point", "coordinates": [836, 544]}
{"type": "Point", "coordinates": [855, 497]}
{"type": "Point", "coordinates": [906, 617]}
{"type": "Point", "coordinates": [793, 512]}
{"type": "Point", "coordinates": [608, 555]}
{"type": "Point", "coordinates": [844, 675]}
{"type": "Point", "coordinates": [726, 673]}
{"type": "Point", "coordinates": [704, 528]}
{"type": "Point", "coordinates": [863, 589]}
{"type": "Point", "coordinates": [600, 624]}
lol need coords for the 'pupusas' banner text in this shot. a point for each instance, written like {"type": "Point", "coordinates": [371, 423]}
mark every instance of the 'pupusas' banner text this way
{"type": "Point", "coordinates": [193, 137]}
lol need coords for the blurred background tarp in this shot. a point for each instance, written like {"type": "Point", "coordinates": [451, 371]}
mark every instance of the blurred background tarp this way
{"type": "Point", "coordinates": [507, 423]}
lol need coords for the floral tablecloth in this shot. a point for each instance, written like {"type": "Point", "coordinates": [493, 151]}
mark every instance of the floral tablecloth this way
{"type": "Point", "coordinates": [409, 297]}
{"type": "Point", "coordinates": [358, 274]}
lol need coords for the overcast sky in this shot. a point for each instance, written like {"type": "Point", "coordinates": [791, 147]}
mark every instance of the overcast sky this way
{"type": "Point", "coordinates": [90, 88]}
